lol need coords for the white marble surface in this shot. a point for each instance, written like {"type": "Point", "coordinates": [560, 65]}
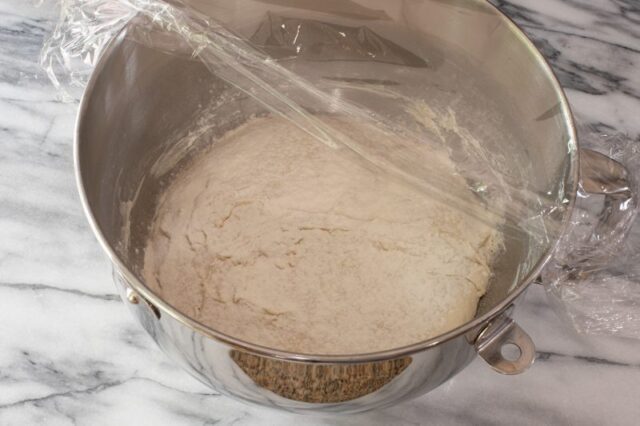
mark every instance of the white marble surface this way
{"type": "Point", "coordinates": [71, 354]}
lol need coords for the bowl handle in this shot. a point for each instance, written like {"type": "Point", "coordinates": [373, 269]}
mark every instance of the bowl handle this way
{"type": "Point", "coordinates": [497, 338]}
{"type": "Point", "coordinates": [600, 174]}
{"type": "Point", "coordinates": [587, 247]}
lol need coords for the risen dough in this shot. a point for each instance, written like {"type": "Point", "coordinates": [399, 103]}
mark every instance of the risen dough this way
{"type": "Point", "coordinates": [279, 240]}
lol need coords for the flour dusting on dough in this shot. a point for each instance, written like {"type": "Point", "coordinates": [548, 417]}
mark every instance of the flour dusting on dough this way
{"type": "Point", "coordinates": [276, 239]}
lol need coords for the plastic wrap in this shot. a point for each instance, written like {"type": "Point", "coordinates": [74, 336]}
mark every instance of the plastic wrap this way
{"type": "Point", "coordinates": [594, 283]}
{"type": "Point", "coordinates": [264, 66]}
{"type": "Point", "coordinates": [85, 29]}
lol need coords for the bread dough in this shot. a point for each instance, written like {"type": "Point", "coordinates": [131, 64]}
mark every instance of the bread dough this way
{"type": "Point", "coordinates": [277, 239]}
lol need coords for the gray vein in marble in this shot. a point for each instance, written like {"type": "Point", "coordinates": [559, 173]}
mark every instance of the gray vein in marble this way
{"type": "Point", "coordinates": [582, 36]}
{"type": "Point", "coordinates": [41, 287]}
{"type": "Point", "coordinates": [100, 388]}
{"type": "Point", "coordinates": [582, 76]}
{"type": "Point", "coordinates": [607, 20]}
{"type": "Point", "coordinates": [550, 356]}
{"type": "Point", "coordinates": [75, 392]}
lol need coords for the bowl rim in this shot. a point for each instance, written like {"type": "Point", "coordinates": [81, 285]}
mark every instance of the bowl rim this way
{"type": "Point", "coordinates": [474, 324]}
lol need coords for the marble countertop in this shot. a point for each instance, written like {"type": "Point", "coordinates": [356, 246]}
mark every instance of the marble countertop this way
{"type": "Point", "coordinates": [71, 354]}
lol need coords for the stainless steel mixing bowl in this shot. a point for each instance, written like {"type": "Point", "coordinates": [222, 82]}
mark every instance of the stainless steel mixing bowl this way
{"type": "Point", "coordinates": [466, 55]}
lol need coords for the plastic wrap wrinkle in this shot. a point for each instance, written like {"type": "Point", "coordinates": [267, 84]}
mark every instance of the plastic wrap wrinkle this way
{"type": "Point", "coordinates": [290, 37]}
